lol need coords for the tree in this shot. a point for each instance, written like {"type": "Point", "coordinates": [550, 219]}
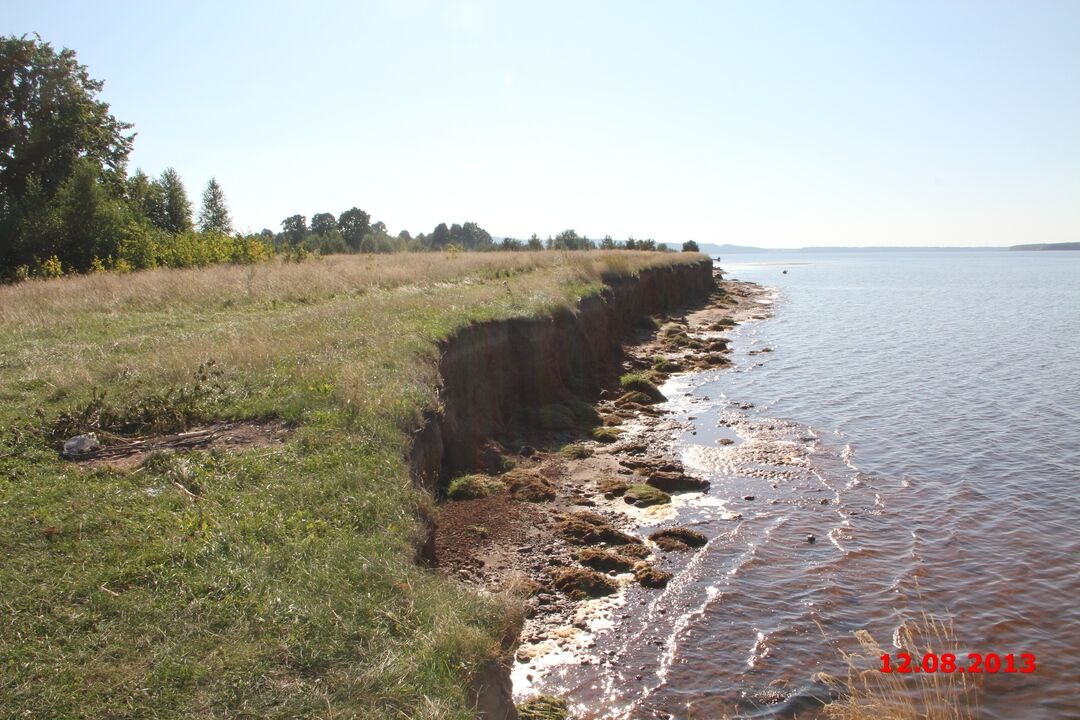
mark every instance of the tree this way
{"type": "Point", "coordinates": [440, 236]}
{"type": "Point", "coordinates": [50, 118]}
{"type": "Point", "coordinates": [535, 243]}
{"type": "Point", "coordinates": [509, 243]}
{"type": "Point", "coordinates": [84, 221]}
{"type": "Point", "coordinates": [323, 223]}
{"type": "Point", "coordinates": [51, 125]}
{"type": "Point", "coordinates": [354, 224]}
{"type": "Point", "coordinates": [147, 198]}
{"type": "Point", "coordinates": [607, 243]}
{"type": "Point", "coordinates": [294, 228]}
{"type": "Point", "coordinates": [570, 240]}
{"type": "Point", "coordinates": [690, 246]}
{"type": "Point", "coordinates": [177, 213]}
{"type": "Point", "coordinates": [214, 216]}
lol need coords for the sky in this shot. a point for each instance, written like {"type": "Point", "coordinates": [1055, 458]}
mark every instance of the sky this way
{"type": "Point", "coordinates": [776, 124]}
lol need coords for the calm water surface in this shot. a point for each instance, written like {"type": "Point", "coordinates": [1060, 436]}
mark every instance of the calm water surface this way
{"type": "Point", "coordinates": [919, 414]}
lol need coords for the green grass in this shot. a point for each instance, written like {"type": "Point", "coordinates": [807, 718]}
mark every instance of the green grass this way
{"type": "Point", "coordinates": [469, 487]}
{"type": "Point", "coordinates": [288, 589]}
{"type": "Point", "coordinates": [641, 383]}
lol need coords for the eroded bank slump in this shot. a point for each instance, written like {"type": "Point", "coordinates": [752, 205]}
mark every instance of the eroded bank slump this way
{"type": "Point", "coordinates": [495, 376]}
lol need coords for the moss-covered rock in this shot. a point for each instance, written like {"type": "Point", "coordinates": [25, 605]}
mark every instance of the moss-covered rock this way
{"type": "Point", "coordinates": [543, 707]}
{"type": "Point", "coordinates": [645, 495]}
{"type": "Point", "coordinates": [581, 583]}
{"type": "Point", "coordinates": [529, 485]}
{"type": "Point", "coordinates": [576, 451]}
{"type": "Point", "coordinates": [642, 383]}
{"type": "Point", "coordinates": [606, 560]}
{"type": "Point", "coordinates": [470, 487]}
{"type": "Point", "coordinates": [648, 576]}
{"type": "Point", "coordinates": [678, 539]}
{"type": "Point", "coordinates": [633, 398]}
{"type": "Point", "coordinates": [588, 528]}
{"type": "Point", "coordinates": [611, 487]}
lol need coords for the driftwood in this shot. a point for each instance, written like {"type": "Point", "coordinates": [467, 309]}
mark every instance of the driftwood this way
{"type": "Point", "coordinates": [122, 447]}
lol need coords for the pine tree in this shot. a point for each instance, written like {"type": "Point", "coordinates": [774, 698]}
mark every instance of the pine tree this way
{"type": "Point", "coordinates": [177, 206]}
{"type": "Point", "coordinates": [214, 216]}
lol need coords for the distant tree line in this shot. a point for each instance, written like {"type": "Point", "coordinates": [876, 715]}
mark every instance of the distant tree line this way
{"type": "Point", "coordinates": [68, 204]}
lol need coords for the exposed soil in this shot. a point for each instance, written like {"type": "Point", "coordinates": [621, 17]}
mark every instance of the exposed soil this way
{"type": "Point", "coordinates": [128, 453]}
{"type": "Point", "coordinates": [576, 537]}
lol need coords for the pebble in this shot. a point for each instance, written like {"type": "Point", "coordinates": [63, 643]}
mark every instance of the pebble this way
{"type": "Point", "coordinates": [811, 539]}
{"type": "Point", "coordinates": [747, 497]}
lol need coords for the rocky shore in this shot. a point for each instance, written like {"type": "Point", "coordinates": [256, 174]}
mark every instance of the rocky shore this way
{"type": "Point", "coordinates": [563, 516]}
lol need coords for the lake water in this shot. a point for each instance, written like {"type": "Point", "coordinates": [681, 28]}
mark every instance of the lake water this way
{"type": "Point", "coordinates": [918, 413]}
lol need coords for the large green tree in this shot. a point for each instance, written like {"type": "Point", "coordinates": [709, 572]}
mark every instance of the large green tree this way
{"type": "Point", "coordinates": [323, 223]}
{"type": "Point", "coordinates": [354, 224]}
{"type": "Point", "coordinates": [214, 215]}
{"type": "Point", "coordinates": [51, 122]}
{"type": "Point", "coordinates": [294, 228]}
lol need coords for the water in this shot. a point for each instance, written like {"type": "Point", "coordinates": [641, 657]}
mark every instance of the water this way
{"type": "Point", "coordinates": [919, 414]}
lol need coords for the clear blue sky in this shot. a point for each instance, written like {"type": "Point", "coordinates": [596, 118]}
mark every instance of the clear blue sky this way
{"type": "Point", "coordinates": [778, 124]}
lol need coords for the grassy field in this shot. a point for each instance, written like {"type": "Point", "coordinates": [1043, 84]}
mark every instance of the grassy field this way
{"type": "Point", "coordinates": [288, 588]}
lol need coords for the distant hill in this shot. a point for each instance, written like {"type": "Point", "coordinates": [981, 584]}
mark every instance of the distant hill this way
{"type": "Point", "coordinates": [729, 249]}
{"type": "Point", "coordinates": [1048, 246]}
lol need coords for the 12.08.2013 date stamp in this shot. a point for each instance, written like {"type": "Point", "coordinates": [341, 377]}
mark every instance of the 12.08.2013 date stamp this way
{"type": "Point", "coordinates": [948, 662]}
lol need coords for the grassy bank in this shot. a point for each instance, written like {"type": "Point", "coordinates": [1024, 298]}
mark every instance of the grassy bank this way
{"type": "Point", "coordinates": [275, 582]}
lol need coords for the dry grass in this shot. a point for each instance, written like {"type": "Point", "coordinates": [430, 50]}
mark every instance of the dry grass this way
{"type": "Point", "coordinates": [353, 324]}
{"type": "Point", "coordinates": [866, 693]}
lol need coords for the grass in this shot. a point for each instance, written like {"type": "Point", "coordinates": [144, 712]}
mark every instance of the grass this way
{"type": "Point", "coordinates": [470, 487]}
{"type": "Point", "coordinates": [285, 586]}
{"type": "Point", "coordinates": [641, 383]}
{"type": "Point", "coordinates": [866, 693]}
{"type": "Point", "coordinates": [576, 451]}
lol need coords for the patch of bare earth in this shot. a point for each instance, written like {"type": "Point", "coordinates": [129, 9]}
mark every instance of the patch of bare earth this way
{"type": "Point", "coordinates": [128, 453]}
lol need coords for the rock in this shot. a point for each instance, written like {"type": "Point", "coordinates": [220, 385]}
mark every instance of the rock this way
{"type": "Point", "coordinates": [675, 481]}
{"type": "Point", "coordinates": [678, 539]}
{"type": "Point", "coordinates": [606, 560]}
{"type": "Point", "coordinates": [611, 487]}
{"type": "Point", "coordinates": [527, 451]}
{"type": "Point", "coordinates": [81, 444]}
{"type": "Point", "coordinates": [529, 485]}
{"type": "Point", "coordinates": [747, 497]}
{"type": "Point", "coordinates": [645, 495]}
{"type": "Point", "coordinates": [725, 441]}
{"type": "Point", "coordinates": [811, 539]}
{"type": "Point", "coordinates": [648, 576]}
{"type": "Point", "coordinates": [588, 528]}
{"type": "Point", "coordinates": [581, 583]}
